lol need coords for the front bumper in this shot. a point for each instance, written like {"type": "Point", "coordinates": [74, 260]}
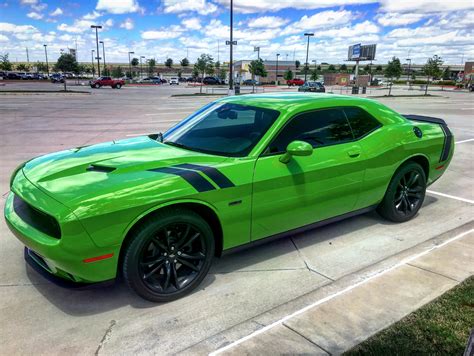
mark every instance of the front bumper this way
{"type": "Point", "coordinates": [62, 257]}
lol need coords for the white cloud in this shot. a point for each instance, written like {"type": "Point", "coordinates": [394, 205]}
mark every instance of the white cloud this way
{"type": "Point", "coordinates": [9, 27]}
{"type": "Point", "coordinates": [109, 23]}
{"type": "Point", "coordinates": [323, 19]}
{"type": "Point", "coordinates": [396, 19]}
{"type": "Point", "coordinates": [39, 7]}
{"type": "Point", "coordinates": [28, 2]}
{"type": "Point", "coordinates": [4, 38]}
{"type": "Point", "coordinates": [118, 6]}
{"type": "Point", "coordinates": [79, 26]}
{"type": "Point", "coordinates": [66, 37]}
{"type": "Point", "coordinates": [92, 16]}
{"type": "Point", "coordinates": [127, 24]}
{"type": "Point", "coordinates": [202, 7]}
{"type": "Point", "coordinates": [192, 23]}
{"type": "Point", "coordinates": [252, 6]}
{"type": "Point", "coordinates": [173, 31]}
{"type": "Point", "coordinates": [358, 30]}
{"type": "Point", "coordinates": [426, 6]}
{"type": "Point", "coordinates": [267, 22]}
{"type": "Point", "coordinates": [56, 12]}
{"type": "Point", "coordinates": [34, 15]}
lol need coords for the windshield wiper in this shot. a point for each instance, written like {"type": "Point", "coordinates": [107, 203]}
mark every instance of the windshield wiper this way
{"type": "Point", "coordinates": [179, 145]}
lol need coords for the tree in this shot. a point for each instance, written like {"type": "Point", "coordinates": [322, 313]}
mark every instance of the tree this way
{"type": "Point", "coordinates": [41, 67]}
{"type": "Point", "coordinates": [184, 62]}
{"type": "Point", "coordinates": [314, 75]}
{"type": "Point", "coordinates": [331, 68]}
{"type": "Point", "coordinates": [202, 65]}
{"type": "Point", "coordinates": [378, 68]}
{"type": "Point", "coordinates": [23, 67]}
{"type": "Point", "coordinates": [5, 63]}
{"type": "Point", "coordinates": [432, 70]}
{"type": "Point", "coordinates": [343, 68]}
{"type": "Point", "coordinates": [66, 63]}
{"type": "Point", "coordinates": [256, 67]}
{"type": "Point", "coordinates": [367, 68]}
{"type": "Point", "coordinates": [447, 73]}
{"type": "Point", "coordinates": [135, 62]}
{"type": "Point", "coordinates": [222, 73]}
{"type": "Point", "coordinates": [151, 66]}
{"type": "Point", "coordinates": [297, 64]}
{"type": "Point", "coordinates": [82, 68]}
{"type": "Point", "coordinates": [393, 70]}
{"type": "Point", "coordinates": [319, 68]}
{"type": "Point", "coordinates": [217, 65]}
{"type": "Point", "coordinates": [169, 63]}
{"type": "Point", "coordinates": [288, 75]}
{"type": "Point", "coordinates": [117, 72]}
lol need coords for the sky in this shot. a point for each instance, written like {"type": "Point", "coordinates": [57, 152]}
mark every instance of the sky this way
{"type": "Point", "coordinates": [186, 28]}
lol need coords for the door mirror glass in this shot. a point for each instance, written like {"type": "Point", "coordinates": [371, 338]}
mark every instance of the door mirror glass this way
{"type": "Point", "coordinates": [296, 148]}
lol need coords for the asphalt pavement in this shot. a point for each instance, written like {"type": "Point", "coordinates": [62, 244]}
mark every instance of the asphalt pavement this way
{"type": "Point", "coordinates": [244, 292]}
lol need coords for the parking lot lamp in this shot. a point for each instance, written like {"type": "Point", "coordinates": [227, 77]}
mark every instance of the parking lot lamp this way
{"type": "Point", "coordinates": [231, 66]}
{"type": "Point", "coordinates": [306, 65]}
{"type": "Point", "coordinates": [276, 78]}
{"type": "Point", "coordinates": [409, 70]}
{"type": "Point", "coordinates": [257, 49]}
{"type": "Point", "coordinates": [103, 54]}
{"type": "Point", "coordinates": [97, 43]}
{"type": "Point", "coordinates": [141, 66]}
{"type": "Point", "coordinates": [46, 54]}
{"type": "Point", "coordinates": [130, 64]}
{"type": "Point", "coordinates": [92, 62]}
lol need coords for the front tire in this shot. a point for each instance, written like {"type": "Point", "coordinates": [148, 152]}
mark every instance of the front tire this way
{"type": "Point", "coordinates": [97, 86]}
{"type": "Point", "coordinates": [405, 193]}
{"type": "Point", "coordinates": [118, 86]}
{"type": "Point", "coordinates": [169, 255]}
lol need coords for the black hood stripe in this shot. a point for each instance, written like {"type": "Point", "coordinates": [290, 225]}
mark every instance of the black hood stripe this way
{"type": "Point", "coordinates": [194, 178]}
{"type": "Point", "coordinates": [218, 177]}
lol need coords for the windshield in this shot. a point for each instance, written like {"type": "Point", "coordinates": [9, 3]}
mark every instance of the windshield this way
{"type": "Point", "coordinates": [223, 129]}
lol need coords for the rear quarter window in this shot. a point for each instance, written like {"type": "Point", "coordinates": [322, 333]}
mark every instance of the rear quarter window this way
{"type": "Point", "coordinates": [361, 121]}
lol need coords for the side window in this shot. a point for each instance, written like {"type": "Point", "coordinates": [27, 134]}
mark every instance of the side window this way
{"type": "Point", "coordinates": [361, 121]}
{"type": "Point", "coordinates": [319, 128]}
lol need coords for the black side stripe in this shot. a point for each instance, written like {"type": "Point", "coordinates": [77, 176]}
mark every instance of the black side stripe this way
{"type": "Point", "coordinates": [194, 178]}
{"type": "Point", "coordinates": [217, 176]}
{"type": "Point", "coordinates": [448, 138]}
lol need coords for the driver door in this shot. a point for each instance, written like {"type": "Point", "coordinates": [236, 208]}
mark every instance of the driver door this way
{"type": "Point", "coordinates": [307, 189]}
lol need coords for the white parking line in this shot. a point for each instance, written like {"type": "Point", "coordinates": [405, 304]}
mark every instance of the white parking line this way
{"type": "Point", "coordinates": [450, 196]}
{"type": "Point", "coordinates": [468, 140]}
{"type": "Point", "coordinates": [332, 296]}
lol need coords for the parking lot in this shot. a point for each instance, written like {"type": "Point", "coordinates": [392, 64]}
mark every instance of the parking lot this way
{"type": "Point", "coordinates": [242, 292]}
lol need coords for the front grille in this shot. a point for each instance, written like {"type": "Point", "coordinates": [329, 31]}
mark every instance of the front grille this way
{"type": "Point", "coordinates": [36, 218]}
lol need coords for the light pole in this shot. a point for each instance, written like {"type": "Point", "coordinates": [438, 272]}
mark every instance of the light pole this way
{"type": "Point", "coordinates": [409, 70]}
{"type": "Point", "coordinates": [92, 62]}
{"type": "Point", "coordinates": [276, 78]}
{"type": "Point", "coordinates": [257, 49]}
{"type": "Point", "coordinates": [103, 54]}
{"type": "Point", "coordinates": [231, 66]}
{"type": "Point", "coordinates": [130, 64]}
{"type": "Point", "coordinates": [97, 43]}
{"type": "Point", "coordinates": [46, 54]}
{"type": "Point", "coordinates": [308, 34]}
{"type": "Point", "coordinates": [141, 66]}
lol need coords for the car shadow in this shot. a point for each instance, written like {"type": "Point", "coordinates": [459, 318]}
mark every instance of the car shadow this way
{"type": "Point", "coordinates": [100, 299]}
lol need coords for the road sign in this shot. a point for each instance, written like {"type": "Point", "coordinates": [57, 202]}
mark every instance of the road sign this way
{"type": "Point", "coordinates": [233, 43]}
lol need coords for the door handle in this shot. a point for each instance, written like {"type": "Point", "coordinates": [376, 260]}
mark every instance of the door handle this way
{"type": "Point", "coordinates": [353, 153]}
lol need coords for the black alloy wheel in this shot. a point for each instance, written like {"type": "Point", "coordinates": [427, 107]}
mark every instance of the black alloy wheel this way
{"type": "Point", "coordinates": [169, 255]}
{"type": "Point", "coordinates": [405, 193]}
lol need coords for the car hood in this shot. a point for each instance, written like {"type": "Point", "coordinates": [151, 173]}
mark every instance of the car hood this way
{"type": "Point", "coordinates": [76, 175]}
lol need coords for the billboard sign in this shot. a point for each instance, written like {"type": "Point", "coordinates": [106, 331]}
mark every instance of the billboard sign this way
{"type": "Point", "coordinates": [359, 52]}
{"type": "Point", "coordinates": [355, 53]}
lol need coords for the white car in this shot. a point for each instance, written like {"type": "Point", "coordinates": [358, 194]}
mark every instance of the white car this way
{"type": "Point", "coordinates": [174, 81]}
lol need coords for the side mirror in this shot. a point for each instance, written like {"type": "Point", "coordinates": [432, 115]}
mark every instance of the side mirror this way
{"type": "Point", "coordinates": [296, 148]}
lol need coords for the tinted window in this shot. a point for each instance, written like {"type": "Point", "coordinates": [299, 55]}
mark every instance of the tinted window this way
{"type": "Point", "coordinates": [322, 127]}
{"type": "Point", "coordinates": [222, 128]}
{"type": "Point", "coordinates": [361, 121]}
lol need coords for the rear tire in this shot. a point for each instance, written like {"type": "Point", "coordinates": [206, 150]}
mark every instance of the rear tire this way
{"type": "Point", "coordinates": [169, 255]}
{"type": "Point", "coordinates": [405, 193]}
{"type": "Point", "coordinates": [97, 86]}
{"type": "Point", "coordinates": [118, 86]}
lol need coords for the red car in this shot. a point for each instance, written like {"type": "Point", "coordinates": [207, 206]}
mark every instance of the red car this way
{"type": "Point", "coordinates": [296, 81]}
{"type": "Point", "coordinates": [106, 82]}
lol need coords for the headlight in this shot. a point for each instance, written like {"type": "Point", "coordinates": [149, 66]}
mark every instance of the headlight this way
{"type": "Point", "coordinates": [12, 178]}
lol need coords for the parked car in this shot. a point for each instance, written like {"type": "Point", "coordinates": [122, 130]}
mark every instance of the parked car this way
{"type": "Point", "coordinates": [212, 81]}
{"type": "Point", "coordinates": [192, 79]}
{"type": "Point", "coordinates": [174, 80]}
{"type": "Point", "coordinates": [250, 82]}
{"type": "Point", "coordinates": [315, 87]}
{"type": "Point", "coordinates": [13, 76]}
{"type": "Point", "coordinates": [150, 80]}
{"type": "Point", "coordinates": [106, 82]}
{"type": "Point", "coordinates": [157, 209]}
{"type": "Point", "coordinates": [57, 78]}
{"type": "Point", "coordinates": [295, 81]}
{"type": "Point", "coordinates": [471, 87]}
{"type": "Point", "coordinates": [163, 81]}
{"type": "Point", "coordinates": [182, 80]}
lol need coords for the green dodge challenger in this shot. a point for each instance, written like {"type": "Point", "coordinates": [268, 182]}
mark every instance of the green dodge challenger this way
{"type": "Point", "coordinates": [156, 209]}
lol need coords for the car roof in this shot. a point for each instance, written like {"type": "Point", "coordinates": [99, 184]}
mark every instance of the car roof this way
{"type": "Point", "coordinates": [294, 100]}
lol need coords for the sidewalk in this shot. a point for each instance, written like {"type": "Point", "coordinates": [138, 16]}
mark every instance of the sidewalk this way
{"type": "Point", "coordinates": [348, 316]}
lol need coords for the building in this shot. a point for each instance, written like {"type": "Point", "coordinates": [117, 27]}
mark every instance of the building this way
{"type": "Point", "coordinates": [241, 70]}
